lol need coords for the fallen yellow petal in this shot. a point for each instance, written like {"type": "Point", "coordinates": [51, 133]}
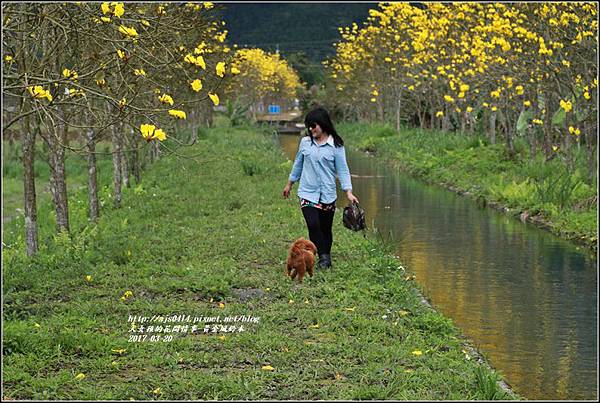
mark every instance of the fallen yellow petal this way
{"type": "Point", "coordinates": [267, 368]}
{"type": "Point", "coordinates": [417, 352]}
{"type": "Point", "coordinates": [80, 376]}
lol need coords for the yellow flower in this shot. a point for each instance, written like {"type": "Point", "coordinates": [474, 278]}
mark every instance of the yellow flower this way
{"type": "Point", "coordinates": [374, 92]}
{"type": "Point", "coordinates": [70, 74]}
{"type": "Point", "coordinates": [119, 9]}
{"type": "Point", "coordinates": [221, 337]}
{"type": "Point", "coordinates": [119, 351]}
{"type": "Point", "coordinates": [88, 278]}
{"type": "Point", "coordinates": [417, 352]}
{"type": "Point", "coordinates": [146, 23]}
{"type": "Point", "coordinates": [207, 5]}
{"type": "Point", "coordinates": [177, 114]}
{"type": "Point", "coordinates": [586, 95]}
{"type": "Point", "coordinates": [464, 87]}
{"type": "Point", "coordinates": [519, 89]}
{"type": "Point", "coordinates": [439, 113]}
{"type": "Point", "coordinates": [160, 10]}
{"type": "Point", "coordinates": [121, 54]}
{"type": "Point", "coordinates": [220, 69]}
{"type": "Point", "coordinates": [200, 62]}
{"type": "Point", "coordinates": [234, 70]}
{"type": "Point", "coordinates": [316, 326]}
{"type": "Point", "coordinates": [495, 94]}
{"type": "Point", "coordinates": [566, 105]}
{"type": "Point", "coordinates": [139, 72]}
{"type": "Point", "coordinates": [221, 305]}
{"type": "Point", "coordinates": [166, 99]}
{"type": "Point", "coordinates": [214, 98]}
{"type": "Point", "coordinates": [160, 135]}
{"type": "Point", "coordinates": [411, 87]}
{"type": "Point", "coordinates": [494, 109]}
{"type": "Point", "coordinates": [156, 391]}
{"type": "Point", "coordinates": [448, 98]}
{"type": "Point", "coordinates": [122, 103]}
{"type": "Point", "coordinates": [9, 58]}
{"type": "Point", "coordinates": [574, 131]}
{"type": "Point", "coordinates": [105, 8]}
{"type": "Point", "coordinates": [350, 309]}
{"type": "Point", "coordinates": [554, 148]}
{"type": "Point", "coordinates": [469, 109]}
{"type": "Point", "coordinates": [105, 19]}
{"type": "Point", "coordinates": [80, 376]}
{"type": "Point", "coordinates": [39, 92]}
{"type": "Point", "coordinates": [36, 325]}
{"type": "Point", "coordinates": [537, 121]}
{"type": "Point", "coordinates": [267, 368]}
{"type": "Point", "coordinates": [196, 85]}
{"type": "Point", "coordinates": [129, 32]}
{"type": "Point", "coordinates": [373, 99]}
{"type": "Point", "coordinates": [527, 103]}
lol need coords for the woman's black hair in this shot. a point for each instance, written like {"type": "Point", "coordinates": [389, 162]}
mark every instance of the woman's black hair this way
{"type": "Point", "coordinates": [321, 117]}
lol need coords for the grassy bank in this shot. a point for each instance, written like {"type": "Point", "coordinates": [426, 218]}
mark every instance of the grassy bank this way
{"type": "Point", "coordinates": [209, 239]}
{"type": "Point", "coordinates": [545, 193]}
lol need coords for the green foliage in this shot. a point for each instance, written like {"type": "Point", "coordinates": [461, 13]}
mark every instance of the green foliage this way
{"type": "Point", "coordinates": [236, 112]}
{"type": "Point", "coordinates": [488, 386]}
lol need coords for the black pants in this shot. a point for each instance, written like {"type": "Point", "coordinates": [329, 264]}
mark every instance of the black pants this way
{"type": "Point", "coordinates": [319, 225]}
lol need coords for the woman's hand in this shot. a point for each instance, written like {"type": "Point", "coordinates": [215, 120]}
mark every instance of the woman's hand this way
{"type": "Point", "coordinates": [287, 189]}
{"type": "Point", "coordinates": [351, 197]}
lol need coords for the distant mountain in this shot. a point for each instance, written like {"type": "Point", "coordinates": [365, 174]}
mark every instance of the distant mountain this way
{"type": "Point", "coordinates": [311, 28]}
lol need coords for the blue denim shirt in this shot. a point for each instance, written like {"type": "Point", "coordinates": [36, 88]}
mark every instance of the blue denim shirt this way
{"type": "Point", "coordinates": [317, 167]}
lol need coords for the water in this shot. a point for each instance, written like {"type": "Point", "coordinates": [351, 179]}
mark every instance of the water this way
{"type": "Point", "coordinates": [526, 298]}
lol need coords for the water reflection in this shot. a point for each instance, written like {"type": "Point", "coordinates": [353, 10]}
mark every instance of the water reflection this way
{"type": "Point", "coordinates": [527, 298]}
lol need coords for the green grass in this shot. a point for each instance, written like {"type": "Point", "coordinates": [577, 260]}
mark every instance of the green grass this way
{"type": "Point", "coordinates": [563, 198]}
{"type": "Point", "coordinates": [193, 236]}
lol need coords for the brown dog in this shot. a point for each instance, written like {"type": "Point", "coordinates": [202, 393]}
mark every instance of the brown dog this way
{"type": "Point", "coordinates": [301, 259]}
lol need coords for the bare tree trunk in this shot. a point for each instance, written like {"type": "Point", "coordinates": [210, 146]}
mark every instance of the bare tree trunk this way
{"type": "Point", "coordinates": [398, 107]}
{"type": "Point", "coordinates": [117, 155]}
{"type": "Point", "coordinates": [125, 168]}
{"type": "Point", "coordinates": [94, 212]}
{"type": "Point", "coordinates": [58, 179]}
{"type": "Point", "coordinates": [591, 141]}
{"type": "Point", "coordinates": [492, 129]}
{"type": "Point", "coordinates": [532, 144]}
{"type": "Point", "coordinates": [31, 233]}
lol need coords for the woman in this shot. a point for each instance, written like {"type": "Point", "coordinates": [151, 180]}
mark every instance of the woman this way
{"type": "Point", "coordinates": [321, 157]}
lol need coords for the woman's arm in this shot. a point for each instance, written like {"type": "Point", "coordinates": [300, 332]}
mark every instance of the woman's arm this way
{"type": "Point", "coordinates": [343, 173]}
{"type": "Point", "coordinates": [296, 172]}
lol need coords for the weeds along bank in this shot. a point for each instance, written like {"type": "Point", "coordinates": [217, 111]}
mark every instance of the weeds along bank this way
{"type": "Point", "coordinates": [209, 239]}
{"type": "Point", "coordinates": [550, 194]}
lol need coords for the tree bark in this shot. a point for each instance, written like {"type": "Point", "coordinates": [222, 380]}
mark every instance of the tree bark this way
{"type": "Point", "coordinates": [94, 209]}
{"type": "Point", "coordinates": [117, 155]}
{"type": "Point", "coordinates": [492, 128]}
{"type": "Point", "coordinates": [31, 233]}
{"type": "Point", "coordinates": [58, 179]}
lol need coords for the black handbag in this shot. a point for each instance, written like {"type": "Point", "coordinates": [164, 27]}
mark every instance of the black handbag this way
{"type": "Point", "coordinates": [354, 217]}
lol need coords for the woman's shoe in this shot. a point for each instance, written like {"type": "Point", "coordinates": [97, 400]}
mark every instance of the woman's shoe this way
{"type": "Point", "coordinates": [325, 261]}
